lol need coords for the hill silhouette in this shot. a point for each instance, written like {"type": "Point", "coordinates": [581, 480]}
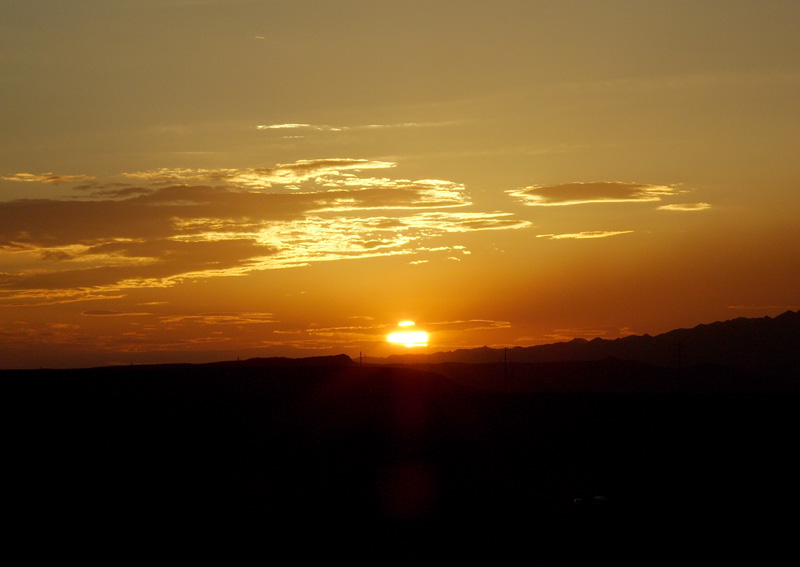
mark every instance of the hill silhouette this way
{"type": "Point", "coordinates": [765, 345]}
{"type": "Point", "coordinates": [566, 460]}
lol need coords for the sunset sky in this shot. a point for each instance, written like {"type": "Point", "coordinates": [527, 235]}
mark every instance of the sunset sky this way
{"type": "Point", "coordinates": [198, 180]}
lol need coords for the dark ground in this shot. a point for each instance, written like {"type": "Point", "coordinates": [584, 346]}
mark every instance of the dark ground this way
{"type": "Point", "coordinates": [380, 462]}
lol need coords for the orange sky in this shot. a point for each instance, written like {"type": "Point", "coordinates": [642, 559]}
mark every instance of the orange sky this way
{"type": "Point", "coordinates": [186, 181]}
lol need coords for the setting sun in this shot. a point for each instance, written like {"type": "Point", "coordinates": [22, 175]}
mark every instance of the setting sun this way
{"type": "Point", "coordinates": [414, 339]}
{"type": "Point", "coordinates": [409, 338]}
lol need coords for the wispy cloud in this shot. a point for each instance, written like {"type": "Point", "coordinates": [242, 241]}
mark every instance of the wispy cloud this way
{"type": "Point", "coordinates": [468, 325]}
{"type": "Point", "coordinates": [689, 207]}
{"type": "Point", "coordinates": [580, 193]}
{"type": "Point", "coordinates": [157, 234]}
{"type": "Point", "coordinates": [135, 334]}
{"type": "Point", "coordinates": [584, 234]}
{"type": "Point", "coordinates": [293, 126]}
{"type": "Point", "coordinates": [50, 178]}
{"type": "Point", "coordinates": [467, 222]}
{"type": "Point", "coordinates": [244, 318]}
{"type": "Point", "coordinates": [109, 313]}
{"type": "Point", "coordinates": [281, 174]}
{"type": "Point", "coordinates": [329, 128]}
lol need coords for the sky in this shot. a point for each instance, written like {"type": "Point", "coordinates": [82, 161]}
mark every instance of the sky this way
{"type": "Point", "coordinates": [200, 180]}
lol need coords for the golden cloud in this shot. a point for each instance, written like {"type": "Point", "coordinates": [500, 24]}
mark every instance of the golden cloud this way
{"type": "Point", "coordinates": [289, 126]}
{"type": "Point", "coordinates": [244, 318]}
{"type": "Point", "coordinates": [584, 234]}
{"type": "Point", "coordinates": [50, 178]}
{"type": "Point", "coordinates": [110, 313]}
{"type": "Point", "coordinates": [158, 235]}
{"type": "Point", "coordinates": [281, 174]}
{"type": "Point", "coordinates": [685, 207]}
{"type": "Point", "coordinates": [596, 192]}
{"type": "Point", "coordinates": [328, 128]}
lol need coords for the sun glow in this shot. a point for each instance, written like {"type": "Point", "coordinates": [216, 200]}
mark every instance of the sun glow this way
{"type": "Point", "coordinates": [417, 338]}
{"type": "Point", "coordinates": [409, 338]}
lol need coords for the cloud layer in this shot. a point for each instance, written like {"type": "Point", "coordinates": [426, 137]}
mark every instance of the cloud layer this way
{"type": "Point", "coordinates": [178, 224]}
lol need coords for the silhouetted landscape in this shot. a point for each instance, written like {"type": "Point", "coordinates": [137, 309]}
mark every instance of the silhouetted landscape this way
{"type": "Point", "coordinates": [765, 344]}
{"type": "Point", "coordinates": [278, 278]}
{"type": "Point", "coordinates": [610, 446]}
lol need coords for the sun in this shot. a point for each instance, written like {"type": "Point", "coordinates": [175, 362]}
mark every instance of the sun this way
{"type": "Point", "coordinates": [408, 338]}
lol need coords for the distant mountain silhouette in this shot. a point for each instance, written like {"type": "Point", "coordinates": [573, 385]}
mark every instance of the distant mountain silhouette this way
{"type": "Point", "coordinates": [765, 345]}
{"type": "Point", "coordinates": [567, 459]}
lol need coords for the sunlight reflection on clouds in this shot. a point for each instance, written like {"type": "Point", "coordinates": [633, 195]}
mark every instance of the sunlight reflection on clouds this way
{"type": "Point", "coordinates": [119, 236]}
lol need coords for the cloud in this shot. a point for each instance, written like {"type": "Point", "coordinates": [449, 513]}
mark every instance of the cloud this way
{"type": "Point", "coordinates": [307, 169]}
{"type": "Point", "coordinates": [291, 126]}
{"type": "Point", "coordinates": [117, 265]}
{"type": "Point", "coordinates": [55, 255]}
{"type": "Point", "coordinates": [50, 178]}
{"type": "Point", "coordinates": [468, 325]}
{"type": "Point", "coordinates": [281, 174]}
{"type": "Point", "coordinates": [243, 318]}
{"type": "Point", "coordinates": [585, 234]}
{"type": "Point", "coordinates": [217, 212]}
{"type": "Point", "coordinates": [685, 207]}
{"type": "Point", "coordinates": [108, 313]}
{"type": "Point", "coordinates": [467, 222]}
{"type": "Point", "coordinates": [137, 335]}
{"type": "Point", "coordinates": [364, 194]}
{"type": "Point", "coordinates": [122, 237]}
{"type": "Point", "coordinates": [119, 193]}
{"type": "Point", "coordinates": [327, 128]}
{"type": "Point", "coordinates": [596, 192]}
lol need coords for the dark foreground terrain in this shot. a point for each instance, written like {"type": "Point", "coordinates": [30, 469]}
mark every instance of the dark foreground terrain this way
{"type": "Point", "coordinates": [326, 458]}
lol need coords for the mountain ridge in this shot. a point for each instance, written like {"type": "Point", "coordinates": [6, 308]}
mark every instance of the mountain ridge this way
{"type": "Point", "coordinates": [764, 344]}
